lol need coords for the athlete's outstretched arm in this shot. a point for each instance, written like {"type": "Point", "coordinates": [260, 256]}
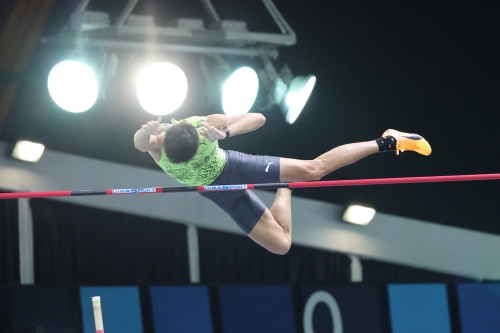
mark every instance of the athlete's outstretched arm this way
{"type": "Point", "coordinates": [238, 124]}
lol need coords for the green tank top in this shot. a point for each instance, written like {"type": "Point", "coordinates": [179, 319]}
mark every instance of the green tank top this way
{"type": "Point", "coordinates": [203, 168]}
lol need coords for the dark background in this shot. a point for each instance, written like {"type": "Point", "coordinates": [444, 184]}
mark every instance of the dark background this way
{"type": "Point", "coordinates": [429, 67]}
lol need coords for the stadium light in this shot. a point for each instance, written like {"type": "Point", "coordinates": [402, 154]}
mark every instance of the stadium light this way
{"type": "Point", "coordinates": [296, 97]}
{"type": "Point", "coordinates": [234, 90]}
{"type": "Point", "coordinates": [73, 86]}
{"type": "Point", "coordinates": [161, 88]}
{"type": "Point", "coordinates": [358, 214]}
{"type": "Point", "coordinates": [76, 83]}
{"type": "Point", "coordinates": [28, 151]}
{"type": "Point", "coordinates": [240, 91]}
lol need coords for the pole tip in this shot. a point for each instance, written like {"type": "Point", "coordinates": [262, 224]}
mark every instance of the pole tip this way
{"type": "Point", "coordinates": [96, 299]}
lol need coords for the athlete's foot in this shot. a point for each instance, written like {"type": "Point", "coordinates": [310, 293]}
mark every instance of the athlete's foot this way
{"type": "Point", "coordinates": [409, 142]}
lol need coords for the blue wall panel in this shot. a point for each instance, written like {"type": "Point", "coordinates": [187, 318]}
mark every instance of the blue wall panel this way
{"type": "Point", "coordinates": [121, 310]}
{"type": "Point", "coordinates": [479, 306]}
{"type": "Point", "coordinates": [419, 308]}
{"type": "Point", "coordinates": [262, 309]}
{"type": "Point", "coordinates": [181, 309]}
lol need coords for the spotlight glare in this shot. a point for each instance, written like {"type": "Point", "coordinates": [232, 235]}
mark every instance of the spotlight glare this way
{"type": "Point", "coordinates": [161, 88]}
{"type": "Point", "coordinates": [73, 86]}
{"type": "Point", "coordinates": [28, 151]}
{"type": "Point", "coordinates": [298, 93]}
{"type": "Point", "coordinates": [358, 214]}
{"type": "Point", "coordinates": [240, 91]}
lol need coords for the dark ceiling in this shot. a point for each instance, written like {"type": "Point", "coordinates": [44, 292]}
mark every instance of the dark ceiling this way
{"type": "Point", "coordinates": [429, 67]}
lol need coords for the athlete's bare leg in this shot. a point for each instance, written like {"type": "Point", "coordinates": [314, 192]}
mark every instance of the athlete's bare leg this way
{"type": "Point", "coordinates": [292, 170]}
{"type": "Point", "coordinates": [274, 229]}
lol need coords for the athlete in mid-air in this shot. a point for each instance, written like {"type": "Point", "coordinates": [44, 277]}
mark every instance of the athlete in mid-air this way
{"type": "Point", "coordinates": [188, 151]}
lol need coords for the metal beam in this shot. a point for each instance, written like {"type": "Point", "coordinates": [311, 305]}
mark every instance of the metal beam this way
{"type": "Point", "coordinates": [82, 5]}
{"type": "Point", "coordinates": [126, 36]}
{"type": "Point", "coordinates": [278, 18]}
{"type": "Point", "coordinates": [210, 9]}
{"type": "Point", "coordinates": [192, 35]}
{"type": "Point", "coordinates": [249, 52]}
{"type": "Point", "coordinates": [127, 10]}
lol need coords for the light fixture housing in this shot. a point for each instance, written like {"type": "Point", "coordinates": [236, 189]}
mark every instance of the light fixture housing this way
{"type": "Point", "coordinates": [28, 151]}
{"type": "Point", "coordinates": [289, 92]}
{"type": "Point", "coordinates": [358, 214]}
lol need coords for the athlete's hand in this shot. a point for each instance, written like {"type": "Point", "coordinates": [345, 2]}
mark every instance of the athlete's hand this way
{"type": "Point", "coordinates": [152, 127]}
{"type": "Point", "coordinates": [211, 133]}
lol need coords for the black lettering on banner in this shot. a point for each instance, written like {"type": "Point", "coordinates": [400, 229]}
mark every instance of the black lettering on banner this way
{"type": "Point", "coordinates": [329, 300]}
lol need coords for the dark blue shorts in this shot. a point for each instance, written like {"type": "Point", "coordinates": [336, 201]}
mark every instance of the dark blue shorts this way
{"type": "Point", "coordinates": [244, 207]}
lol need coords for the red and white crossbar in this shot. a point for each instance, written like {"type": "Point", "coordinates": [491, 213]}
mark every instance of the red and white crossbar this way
{"type": "Point", "coordinates": [240, 187]}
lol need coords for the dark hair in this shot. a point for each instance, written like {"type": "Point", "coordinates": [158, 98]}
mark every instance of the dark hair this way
{"type": "Point", "coordinates": [181, 142]}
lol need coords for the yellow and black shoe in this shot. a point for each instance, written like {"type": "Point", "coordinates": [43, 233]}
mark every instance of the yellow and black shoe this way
{"type": "Point", "coordinates": [408, 142]}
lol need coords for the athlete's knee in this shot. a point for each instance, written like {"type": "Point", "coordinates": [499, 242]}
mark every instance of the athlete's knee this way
{"type": "Point", "coordinates": [313, 170]}
{"type": "Point", "coordinates": [282, 246]}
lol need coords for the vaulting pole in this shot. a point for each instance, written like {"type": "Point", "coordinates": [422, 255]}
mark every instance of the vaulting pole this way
{"type": "Point", "coordinates": [240, 187]}
{"type": "Point", "coordinates": [96, 304]}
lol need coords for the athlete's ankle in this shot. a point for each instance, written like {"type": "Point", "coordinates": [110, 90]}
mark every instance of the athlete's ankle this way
{"type": "Point", "coordinates": [386, 143]}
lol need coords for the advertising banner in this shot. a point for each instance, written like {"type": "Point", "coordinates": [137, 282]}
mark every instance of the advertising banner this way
{"type": "Point", "coordinates": [262, 309]}
{"type": "Point", "coordinates": [181, 309]}
{"type": "Point", "coordinates": [479, 306]}
{"type": "Point", "coordinates": [417, 308]}
{"type": "Point", "coordinates": [121, 309]}
{"type": "Point", "coordinates": [353, 308]}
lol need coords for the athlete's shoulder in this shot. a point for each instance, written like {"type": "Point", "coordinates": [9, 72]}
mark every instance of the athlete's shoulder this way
{"type": "Point", "coordinates": [196, 121]}
{"type": "Point", "coordinates": [156, 154]}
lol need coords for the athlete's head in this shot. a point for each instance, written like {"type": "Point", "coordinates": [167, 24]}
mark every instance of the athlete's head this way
{"type": "Point", "coordinates": [181, 142]}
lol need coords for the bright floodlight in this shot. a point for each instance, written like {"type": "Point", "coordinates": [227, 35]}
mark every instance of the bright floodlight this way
{"type": "Point", "coordinates": [298, 93]}
{"type": "Point", "coordinates": [28, 151]}
{"type": "Point", "coordinates": [239, 91]}
{"type": "Point", "coordinates": [161, 88]}
{"type": "Point", "coordinates": [358, 214]}
{"type": "Point", "coordinates": [73, 86]}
